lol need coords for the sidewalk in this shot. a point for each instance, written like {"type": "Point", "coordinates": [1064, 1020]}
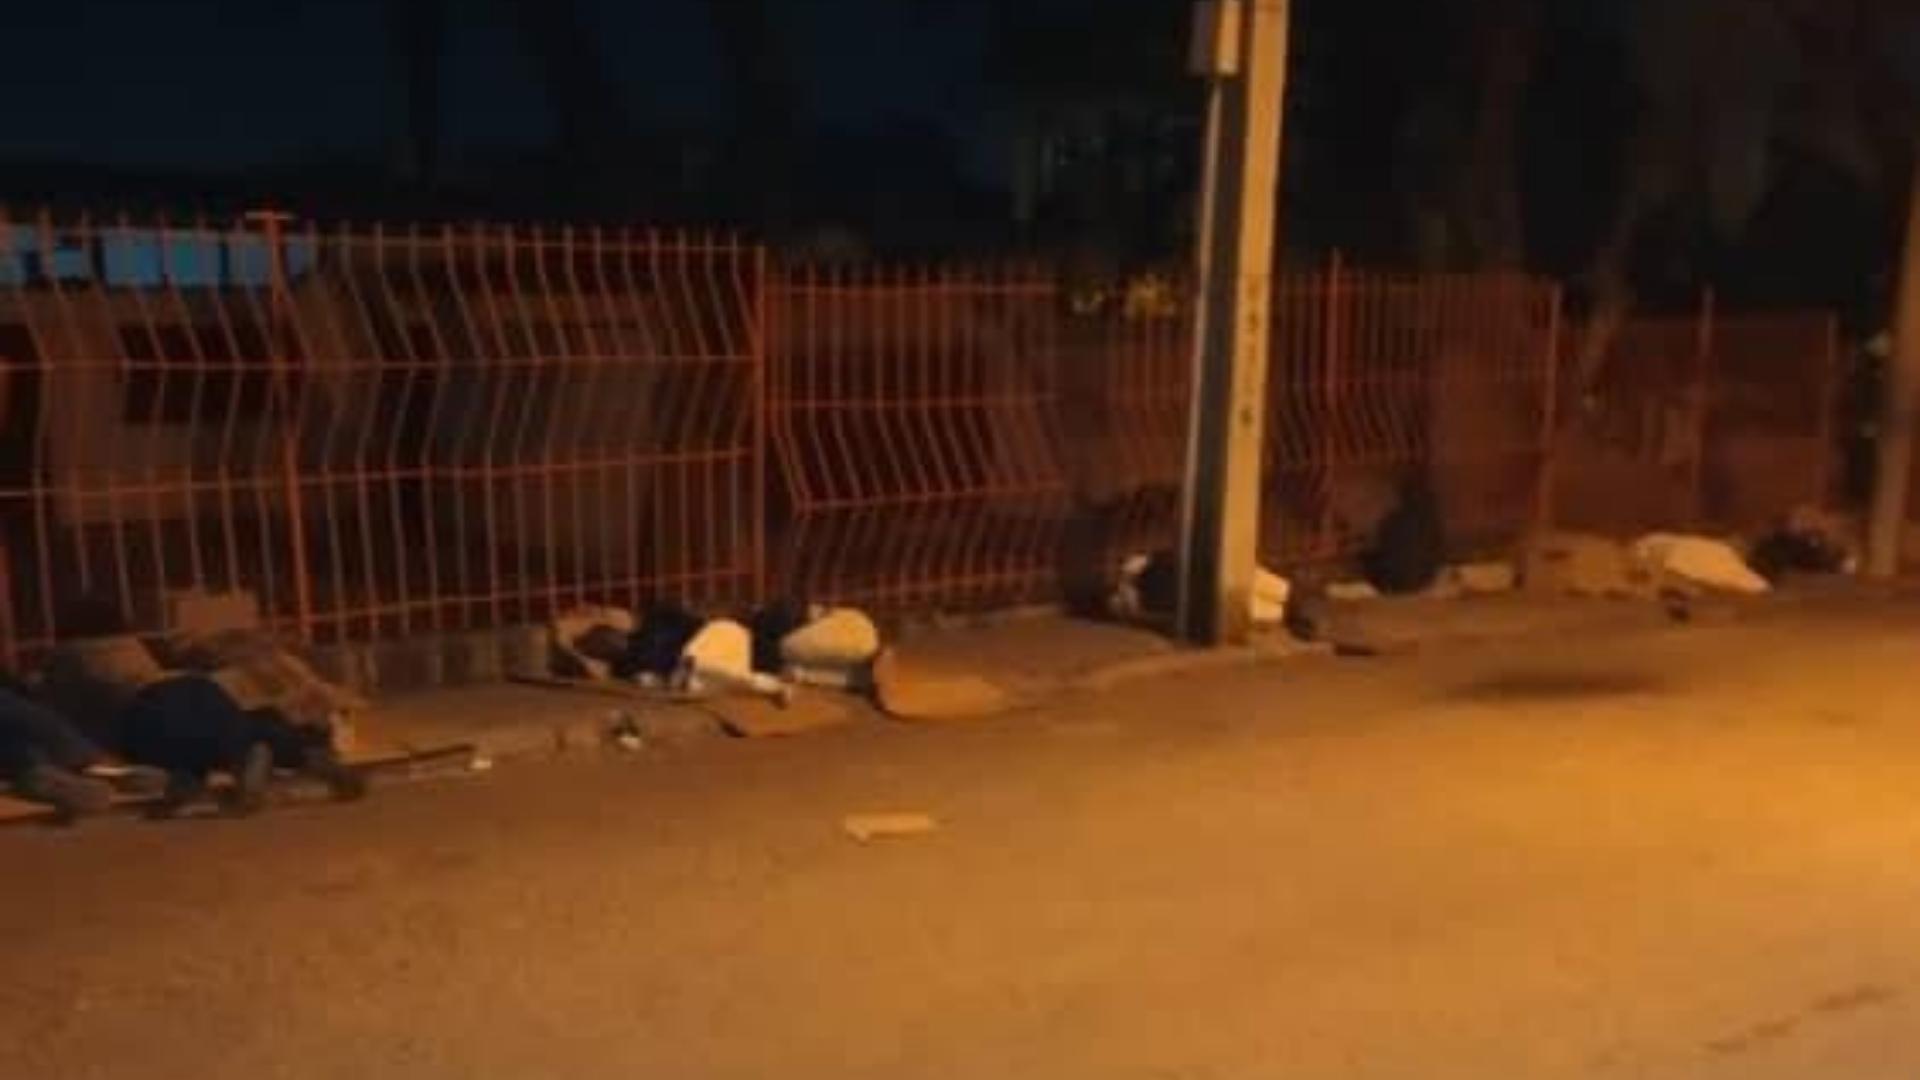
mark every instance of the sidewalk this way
{"type": "Point", "coordinates": [1035, 658]}
{"type": "Point", "coordinates": [1024, 661]}
{"type": "Point", "coordinates": [1019, 662]}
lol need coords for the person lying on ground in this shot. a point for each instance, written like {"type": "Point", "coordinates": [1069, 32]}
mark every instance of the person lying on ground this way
{"type": "Point", "coordinates": [185, 723]}
{"type": "Point", "coordinates": [191, 726]}
{"type": "Point", "coordinates": [48, 760]}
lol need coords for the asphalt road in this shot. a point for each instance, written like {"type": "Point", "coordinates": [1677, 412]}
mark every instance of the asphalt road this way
{"type": "Point", "coordinates": [1687, 854]}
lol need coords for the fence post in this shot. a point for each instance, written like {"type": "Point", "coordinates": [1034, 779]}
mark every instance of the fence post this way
{"type": "Point", "coordinates": [1220, 507]}
{"type": "Point", "coordinates": [1544, 490]}
{"type": "Point", "coordinates": [271, 224]}
{"type": "Point", "coordinates": [1702, 399]}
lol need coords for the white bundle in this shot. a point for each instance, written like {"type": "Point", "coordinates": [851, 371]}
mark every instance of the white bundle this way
{"type": "Point", "coordinates": [1700, 561]}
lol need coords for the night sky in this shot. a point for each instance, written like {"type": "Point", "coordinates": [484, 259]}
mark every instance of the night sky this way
{"type": "Point", "coordinates": [219, 84]}
{"type": "Point", "coordinates": [898, 120]}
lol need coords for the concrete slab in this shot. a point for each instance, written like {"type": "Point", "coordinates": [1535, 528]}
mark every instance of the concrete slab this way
{"type": "Point", "coordinates": [1031, 656]}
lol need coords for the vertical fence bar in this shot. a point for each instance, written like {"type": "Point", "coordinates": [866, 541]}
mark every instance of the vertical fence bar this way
{"type": "Point", "coordinates": [1327, 446]}
{"type": "Point", "coordinates": [39, 491]}
{"type": "Point", "coordinates": [422, 464]}
{"type": "Point", "coordinates": [1824, 424]}
{"type": "Point", "coordinates": [77, 359]}
{"type": "Point", "coordinates": [113, 367]}
{"type": "Point", "coordinates": [1702, 404]}
{"type": "Point", "coordinates": [759, 390]}
{"type": "Point", "coordinates": [1544, 513]}
{"type": "Point", "coordinates": [155, 414]}
{"type": "Point", "coordinates": [190, 473]}
{"type": "Point", "coordinates": [9, 629]}
{"type": "Point", "coordinates": [285, 414]}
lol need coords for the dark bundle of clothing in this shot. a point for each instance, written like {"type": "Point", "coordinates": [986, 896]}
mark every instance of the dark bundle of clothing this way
{"type": "Point", "coordinates": [191, 727]}
{"type": "Point", "coordinates": [185, 724]}
{"type": "Point", "coordinates": [1408, 548]}
{"type": "Point", "coordinates": [49, 760]}
{"type": "Point", "coordinates": [1805, 542]}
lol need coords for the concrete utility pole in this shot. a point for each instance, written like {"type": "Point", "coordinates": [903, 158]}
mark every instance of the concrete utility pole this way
{"type": "Point", "coordinates": [1901, 386]}
{"type": "Point", "coordinates": [1241, 47]}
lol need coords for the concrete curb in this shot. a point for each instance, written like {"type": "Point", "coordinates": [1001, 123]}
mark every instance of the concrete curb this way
{"type": "Point", "coordinates": [1190, 662]}
{"type": "Point", "coordinates": [666, 724]}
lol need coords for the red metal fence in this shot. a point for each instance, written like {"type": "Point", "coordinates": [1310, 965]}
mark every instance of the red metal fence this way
{"type": "Point", "coordinates": [912, 418]}
{"type": "Point", "coordinates": [385, 432]}
{"type": "Point", "coordinates": [1703, 421]}
{"type": "Point", "coordinates": [377, 432]}
{"type": "Point", "coordinates": [1379, 378]}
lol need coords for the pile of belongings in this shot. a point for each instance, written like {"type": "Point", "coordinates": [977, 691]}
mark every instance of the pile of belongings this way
{"type": "Point", "coordinates": [1807, 541]}
{"type": "Point", "coordinates": [258, 674]}
{"type": "Point", "coordinates": [671, 648]}
{"type": "Point", "coordinates": [1677, 561]}
{"type": "Point", "coordinates": [91, 679]}
{"type": "Point", "coordinates": [231, 702]}
{"type": "Point", "coordinates": [1148, 589]}
{"type": "Point", "coordinates": [1657, 564]}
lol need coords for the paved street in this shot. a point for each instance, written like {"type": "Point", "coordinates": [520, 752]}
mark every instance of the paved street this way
{"type": "Point", "coordinates": [1691, 853]}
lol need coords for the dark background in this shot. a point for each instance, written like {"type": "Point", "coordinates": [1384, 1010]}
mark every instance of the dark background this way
{"type": "Point", "coordinates": [1638, 148]}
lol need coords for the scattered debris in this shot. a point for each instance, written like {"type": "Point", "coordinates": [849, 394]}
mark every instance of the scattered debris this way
{"type": "Point", "coordinates": [866, 828]}
{"type": "Point", "coordinates": [623, 730]}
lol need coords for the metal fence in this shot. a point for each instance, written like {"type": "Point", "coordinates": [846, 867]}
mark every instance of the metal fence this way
{"type": "Point", "coordinates": [378, 432]}
{"type": "Point", "coordinates": [912, 419]}
{"type": "Point", "coordinates": [1702, 421]}
{"type": "Point", "coordinates": [1372, 379]}
{"type": "Point", "coordinates": [1379, 379]}
{"type": "Point", "coordinates": [384, 432]}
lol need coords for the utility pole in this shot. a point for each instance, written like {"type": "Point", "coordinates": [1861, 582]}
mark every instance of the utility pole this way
{"type": "Point", "coordinates": [1901, 387]}
{"type": "Point", "coordinates": [1240, 46]}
